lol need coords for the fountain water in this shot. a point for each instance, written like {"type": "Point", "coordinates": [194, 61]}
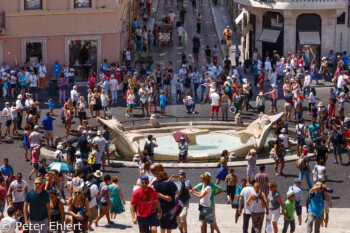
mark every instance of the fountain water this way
{"type": "Point", "coordinates": [192, 133]}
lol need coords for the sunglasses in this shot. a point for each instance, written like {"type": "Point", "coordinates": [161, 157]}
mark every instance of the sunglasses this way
{"type": "Point", "coordinates": [77, 192]}
{"type": "Point", "coordinates": [144, 182]}
{"type": "Point", "coordinates": [37, 183]}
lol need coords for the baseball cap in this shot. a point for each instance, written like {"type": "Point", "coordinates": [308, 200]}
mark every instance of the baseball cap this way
{"type": "Point", "coordinates": [181, 172]}
{"type": "Point", "coordinates": [84, 132]}
{"type": "Point", "coordinates": [297, 180]}
{"type": "Point", "coordinates": [144, 178]}
{"type": "Point", "coordinates": [305, 151]}
{"type": "Point", "coordinates": [290, 193]}
{"type": "Point", "coordinates": [36, 127]}
{"type": "Point", "coordinates": [208, 173]}
{"type": "Point", "coordinates": [99, 132]}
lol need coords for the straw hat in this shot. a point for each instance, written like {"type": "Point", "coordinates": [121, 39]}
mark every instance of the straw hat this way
{"type": "Point", "coordinates": [261, 93]}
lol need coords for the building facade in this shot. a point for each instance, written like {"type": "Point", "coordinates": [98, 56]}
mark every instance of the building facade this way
{"type": "Point", "coordinates": [79, 33]}
{"type": "Point", "coordinates": [313, 26]}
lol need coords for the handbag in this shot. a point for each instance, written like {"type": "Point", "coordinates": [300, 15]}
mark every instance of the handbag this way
{"type": "Point", "coordinates": [182, 153]}
{"type": "Point", "coordinates": [91, 160]}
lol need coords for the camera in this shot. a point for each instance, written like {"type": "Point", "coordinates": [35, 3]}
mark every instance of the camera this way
{"type": "Point", "coordinates": [20, 218]}
{"type": "Point", "coordinates": [329, 190]}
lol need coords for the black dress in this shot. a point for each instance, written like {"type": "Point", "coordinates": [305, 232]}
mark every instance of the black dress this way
{"type": "Point", "coordinates": [98, 105]}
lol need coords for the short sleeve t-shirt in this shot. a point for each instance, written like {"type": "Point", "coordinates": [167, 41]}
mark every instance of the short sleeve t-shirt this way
{"type": "Point", "coordinates": [144, 201]}
{"type": "Point", "coordinates": [205, 201]}
{"type": "Point", "coordinates": [47, 122]}
{"type": "Point", "coordinates": [245, 193]}
{"type": "Point", "coordinates": [35, 138]}
{"type": "Point", "coordinates": [101, 142]}
{"type": "Point", "coordinates": [314, 129]}
{"type": "Point", "coordinates": [316, 204]}
{"type": "Point", "coordinates": [37, 204]}
{"type": "Point", "coordinates": [162, 99]}
{"type": "Point", "coordinates": [6, 171]}
{"type": "Point", "coordinates": [18, 190]}
{"type": "Point", "coordinates": [215, 99]}
{"type": "Point", "coordinates": [321, 152]}
{"type": "Point", "coordinates": [82, 141]}
{"type": "Point", "coordinates": [103, 195]}
{"type": "Point", "coordinates": [10, 225]}
{"type": "Point", "coordinates": [167, 189]}
{"type": "Point", "coordinates": [272, 198]}
{"type": "Point", "coordinates": [3, 192]}
{"type": "Point", "coordinates": [251, 161]}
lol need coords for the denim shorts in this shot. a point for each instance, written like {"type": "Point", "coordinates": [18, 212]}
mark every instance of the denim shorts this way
{"type": "Point", "coordinates": [2, 207]}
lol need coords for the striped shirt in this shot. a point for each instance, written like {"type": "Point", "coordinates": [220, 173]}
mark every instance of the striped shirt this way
{"type": "Point", "coordinates": [263, 179]}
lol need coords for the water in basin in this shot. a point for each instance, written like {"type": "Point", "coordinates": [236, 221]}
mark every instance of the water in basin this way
{"type": "Point", "coordinates": [205, 144]}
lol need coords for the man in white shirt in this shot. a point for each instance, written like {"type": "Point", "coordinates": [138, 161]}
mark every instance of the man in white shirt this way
{"type": "Point", "coordinates": [188, 102]}
{"type": "Point", "coordinates": [307, 82]}
{"type": "Point", "coordinates": [33, 84]}
{"type": "Point", "coordinates": [74, 96]}
{"type": "Point", "coordinates": [143, 93]}
{"type": "Point", "coordinates": [285, 138]}
{"type": "Point", "coordinates": [94, 194]}
{"type": "Point", "coordinates": [35, 137]}
{"type": "Point", "coordinates": [9, 224]}
{"type": "Point", "coordinates": [247, 210]}
{"type": "Point", "coordinates": [17, 192]}
{"type": "Point", "coordinates": [19, 107]}
{"type": "Point", "coordinates": [179, 32]}
{"type": "Point", "coordinates": [171, 16]}
{"type": "Point", "coordinates": [268, 68]}
{"type": "Point", "coordinates": [102, 146]}
{"type": "Point", "coordinates": [340, 84]}
{"type": "Point", "coordinates": [215, 104]}
{"type": "Point", "coordinates": [29, 101]}
{"type": "Point", "coordinates": [6, 113]}
{"type": "Point", "coordinates": [42, 75]}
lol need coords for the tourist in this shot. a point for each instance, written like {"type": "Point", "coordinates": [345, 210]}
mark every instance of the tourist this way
{"type": "Point", "coordinates": [162, 100]}
{"type": "Point", "coordinates": [11, 220]}
{"type": "Point", "coordinates": [105, 200]}
{"type": "Point", "coordinates": [238, 191]}
{"type": "Point", "coordinates": [188, 102]}
{"type": "Point", "coordinates": [327, 204]}
{"type": "Point", "coordinates": [71, 151]}
{"type": "Point", "coordinates": [68, 119]}
{"type": "Point", "coordinates": [81, 105]}
{"type": "Point", "coordinates": [6, 113]}
{"type": "Point", "coordinates": [102, 146]}
{"type": "Point", "coordinates": [35, 161]}
{"type": "Point", "coordinates": [98, 104]}
{"type": "Point", "coordinates": [275, 205]}
{"type": "Point", "coordinates": [3, 196]}
{"type": "Point", "coordinates": [37, 209]}
{"type": "Point", "coordinates": [317, 195]}
{"type": "Point", "coordinates": [26, 140]}
{"type": "Point", "coordinates": [166, 191]}
{"type": "Point", "coordinates": [348, 146]}
{"type": "Point", "coordinates": [251, 168]}
{"type": "Point", "coordinates": [48, 128]}
{"type": "Point", "coordinates": [289, 206]}
{"type": "Point", "coordinates": [150, 144]}
{"type": "Point", "coordinates": [304, 167]}
{"type": "Point", "coordinates": [205, 208]}
{"type": "Point", "coordinates": [91, 192]}
{"type": "Point", "coordinates": [76, 181]}
{"type": "Point", "coordinates": [183, 147]}
{"type": "Point", "coordinates": [114, 86]}
{"type": "Point", "coordinates": [260, 102]}
{"type": "Point", "coordinates": [33, 84]}
{"type": "Point", "coordinates": [144, 199]}
{"type": "Point", "coordinates": [285, 138]}
{"type": "Point", "coordinates": [320, 171]}
{"type": "Point", "coordinates": [223, 170]}
{"type": "Point", "coordinates": [78, 208]}
{"type": "Point", "coordinates": [183, 186]}
{"type": "Point", "coordinates": [225, 103]}
{"type": "Point", "coordinates": [296, 188]}
{"type": "Point", "coordinates": [131, 101]}
{"type": "Point", "coordinates": [58, 214]}
{"type": "Point", "coordinates": [6, 169]}
{"type": "Point", "coordinates": [83, 145]}
{"type": "Point", "coordinates": [215, 190]}
{"type": "Point", "coordinates": [17, 193]}
{"type": "Point", "coordinates": [274, 96]}
{"type": "Point", "coordinates": [237, 100]}
{"type": "Point", "coordinates": [231, 180]}
{"type": "Point", "coordinates": [279, 153]}
{"type": "Point", "coordinates": [247, 209]}
{"type": "Point", "coordinates": [300, 134]}
{"type": "Point", "coordinates": [116, 198]}
{"type": "Point", "coordinates": [263, 179]}
{"type": "Point", "coordinates": [259, 204]}
{"type": "Point", "coordinates": [14, 112]}
{"type": "Point", "coordinates": [336, 135]}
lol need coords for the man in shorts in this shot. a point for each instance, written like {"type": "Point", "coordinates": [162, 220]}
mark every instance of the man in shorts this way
{"type": "Point", "coordinates": [215, 104]}
{"type": "Point", "coordinates": [143, 93]}
{"type": "Point", "coordinates": [17, 192]}
{"type": "Point", "coordinates": [144, 199]}
{"type": "Point", "coordinates": [94, 194]}
{"type": "Point", "coordinates": [288, 100]}
{"type": "Point", "coordinates": [6, 113]}
{"type": "Point", "coordinates": [296, 188]}
{"type": "Point", "coordinates": [102, 146]}
{"type": "Point", "coordinates": [48, 128]}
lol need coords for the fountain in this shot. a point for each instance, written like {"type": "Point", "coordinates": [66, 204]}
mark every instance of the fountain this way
{"type": "Point", "coordinates": [207, 139]}
{"type": "Point", "coordinates": [193, 133]}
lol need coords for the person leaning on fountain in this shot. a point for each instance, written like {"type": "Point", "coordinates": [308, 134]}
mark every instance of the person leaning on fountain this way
{"type": "Point", "coordinates": [183, 146]}
{"type": "Point", "coordinates": [150, 144]}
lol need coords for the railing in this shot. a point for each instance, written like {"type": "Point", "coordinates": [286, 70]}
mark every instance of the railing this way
{"type": "Point", "coordinates": [300, 1]}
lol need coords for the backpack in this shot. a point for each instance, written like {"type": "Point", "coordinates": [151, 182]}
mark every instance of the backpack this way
{"type": "Point", "coordinates": [301, 132]}
{"type": "Point", "coordinates": [250, 93]}
{"type": "Point", "coordinates": [184, 195]}
{"type": "Point", "coordinates": [86, 191]}
{"type": "Point", "coordinates": [301, 163]}
{"type": "Point", "coordinates": [147, 147]}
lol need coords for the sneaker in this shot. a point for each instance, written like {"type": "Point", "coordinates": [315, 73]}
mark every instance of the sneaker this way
{"type": "Point", "coordinates": [334, 162]}
{"type": "Point", "coordinates": [340, 164]}
{"type": "Point", "coordinates": [96, 224]}
{"type": "Point", "coordinates": [91, 229]}
{"type": "Point", "coordinates": [128, 116]}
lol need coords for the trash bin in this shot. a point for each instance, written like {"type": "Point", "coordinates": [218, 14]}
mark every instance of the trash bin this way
{"type": "Point", "coordinates": [53, 90]}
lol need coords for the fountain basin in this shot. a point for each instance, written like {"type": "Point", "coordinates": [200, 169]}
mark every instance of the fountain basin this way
{"type": "Point", "coordinates": [193, 133]}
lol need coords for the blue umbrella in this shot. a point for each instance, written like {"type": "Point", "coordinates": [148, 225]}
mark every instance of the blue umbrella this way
{"type": "Point", "coordinates": [61, 167]}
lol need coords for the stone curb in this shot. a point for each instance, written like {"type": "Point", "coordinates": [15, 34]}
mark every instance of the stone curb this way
{"type": "Point", "coordinates": [116, 164]}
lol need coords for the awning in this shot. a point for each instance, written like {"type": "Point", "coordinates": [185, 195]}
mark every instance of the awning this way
{"type": "Point", "coordinates": [246, 29]}
{"type": "Point", "coordinates": [269, 35]}
{"type": "Point", "coordinates": [309, 38]}
{"type": "Point", "coordinates": [239, 18]}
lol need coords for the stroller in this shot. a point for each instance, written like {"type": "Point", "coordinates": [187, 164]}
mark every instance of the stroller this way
{"type": "Point", "coordinates": [166, 34]}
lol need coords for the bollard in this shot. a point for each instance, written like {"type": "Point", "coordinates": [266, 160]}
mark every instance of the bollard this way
{"type": "Point", "coordinates": [238, 119]}
{"type": "Point", "coordinates": [232, 157]}
{"type": "Point", "coordinates": [136, 158]}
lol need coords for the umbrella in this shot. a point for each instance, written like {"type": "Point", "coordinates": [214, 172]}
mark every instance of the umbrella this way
{"type": "Point", "coordinates": [60, 167]}
{"type": "Point", "coordinates": [177, 135]}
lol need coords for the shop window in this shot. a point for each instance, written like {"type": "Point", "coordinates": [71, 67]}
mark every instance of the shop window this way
{"type": "Point", "coordinates": [33, 4]}
{"type": "Point", "coordinates": [33, 52]}
{"type": "Point", "coordinates": [341, 19]}
{"type": "Point", "coordinates": [83, 56]}
{"type": "Point", "coordinates": [82, 3]}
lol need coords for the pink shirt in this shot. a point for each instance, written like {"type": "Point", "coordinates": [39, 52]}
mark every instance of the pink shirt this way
{"type": "Point", "coordinates": [274, 93]}
{"type": "Point", "coordinates": [113, 84]}
{"type": "Point", "coordinates": [35, 157]}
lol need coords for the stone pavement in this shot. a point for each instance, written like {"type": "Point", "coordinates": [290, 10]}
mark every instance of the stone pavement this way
{"type": "Point", "coordinates": [225, 218]}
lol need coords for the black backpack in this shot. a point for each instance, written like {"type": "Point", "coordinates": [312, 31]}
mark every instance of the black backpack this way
{"type": "Point", "coordinates": [86, 191]}
{"type": "Point", "coordinates": [184, 195]}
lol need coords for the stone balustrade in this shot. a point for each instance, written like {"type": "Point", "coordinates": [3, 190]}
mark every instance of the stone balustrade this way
{"type": "Point", "coordinates": [294, 4]}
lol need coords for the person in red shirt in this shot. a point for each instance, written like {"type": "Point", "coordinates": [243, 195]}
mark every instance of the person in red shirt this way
{"type": "Point", "coordinates": [348, 140]}
{"type": "Point", "coordinates": [144, 199]}
{"type": "Point", "coordinates": [3, 196]}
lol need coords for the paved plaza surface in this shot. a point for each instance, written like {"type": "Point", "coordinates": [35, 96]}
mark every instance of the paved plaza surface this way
{"type": "Point", "coordinates": [338, 176]}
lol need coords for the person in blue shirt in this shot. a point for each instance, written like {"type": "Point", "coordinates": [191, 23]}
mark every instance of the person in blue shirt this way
{"type": "Point", "coordinates": [317, 196]}
{"type": "Point", "coordinates": [104, 65]}
{"type": "Point", "coordinates": [296, 188]}
{"type": "Point", "coordinates": [139, 46]}
{"type": "Point", "coordinates": [345, 59]}
{"type": "Point", "coordinates": [70, 153]}
{"type": "Point", "coordinates": [238, 192]}
{"type": "Point", "coordinates": [162, 100]}
{"type": "Point", "coordinates": [56, 70]}
{"type": "Point", "coordinates": [6, 169]}
{"type": "Point", "coordinates": [48, 128]}
{"type": "Point", "coordinates": [134, 25]}
{"type": "Point", "coordinates": [314, 130]}
{"type": "Point", "coordinates": [51, 106]}
{"type": "Point", "coordinates": [105, 84]}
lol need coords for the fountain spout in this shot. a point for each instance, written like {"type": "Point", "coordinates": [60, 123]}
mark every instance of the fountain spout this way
{"type": "Point", "coordinates": [191, 129]}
